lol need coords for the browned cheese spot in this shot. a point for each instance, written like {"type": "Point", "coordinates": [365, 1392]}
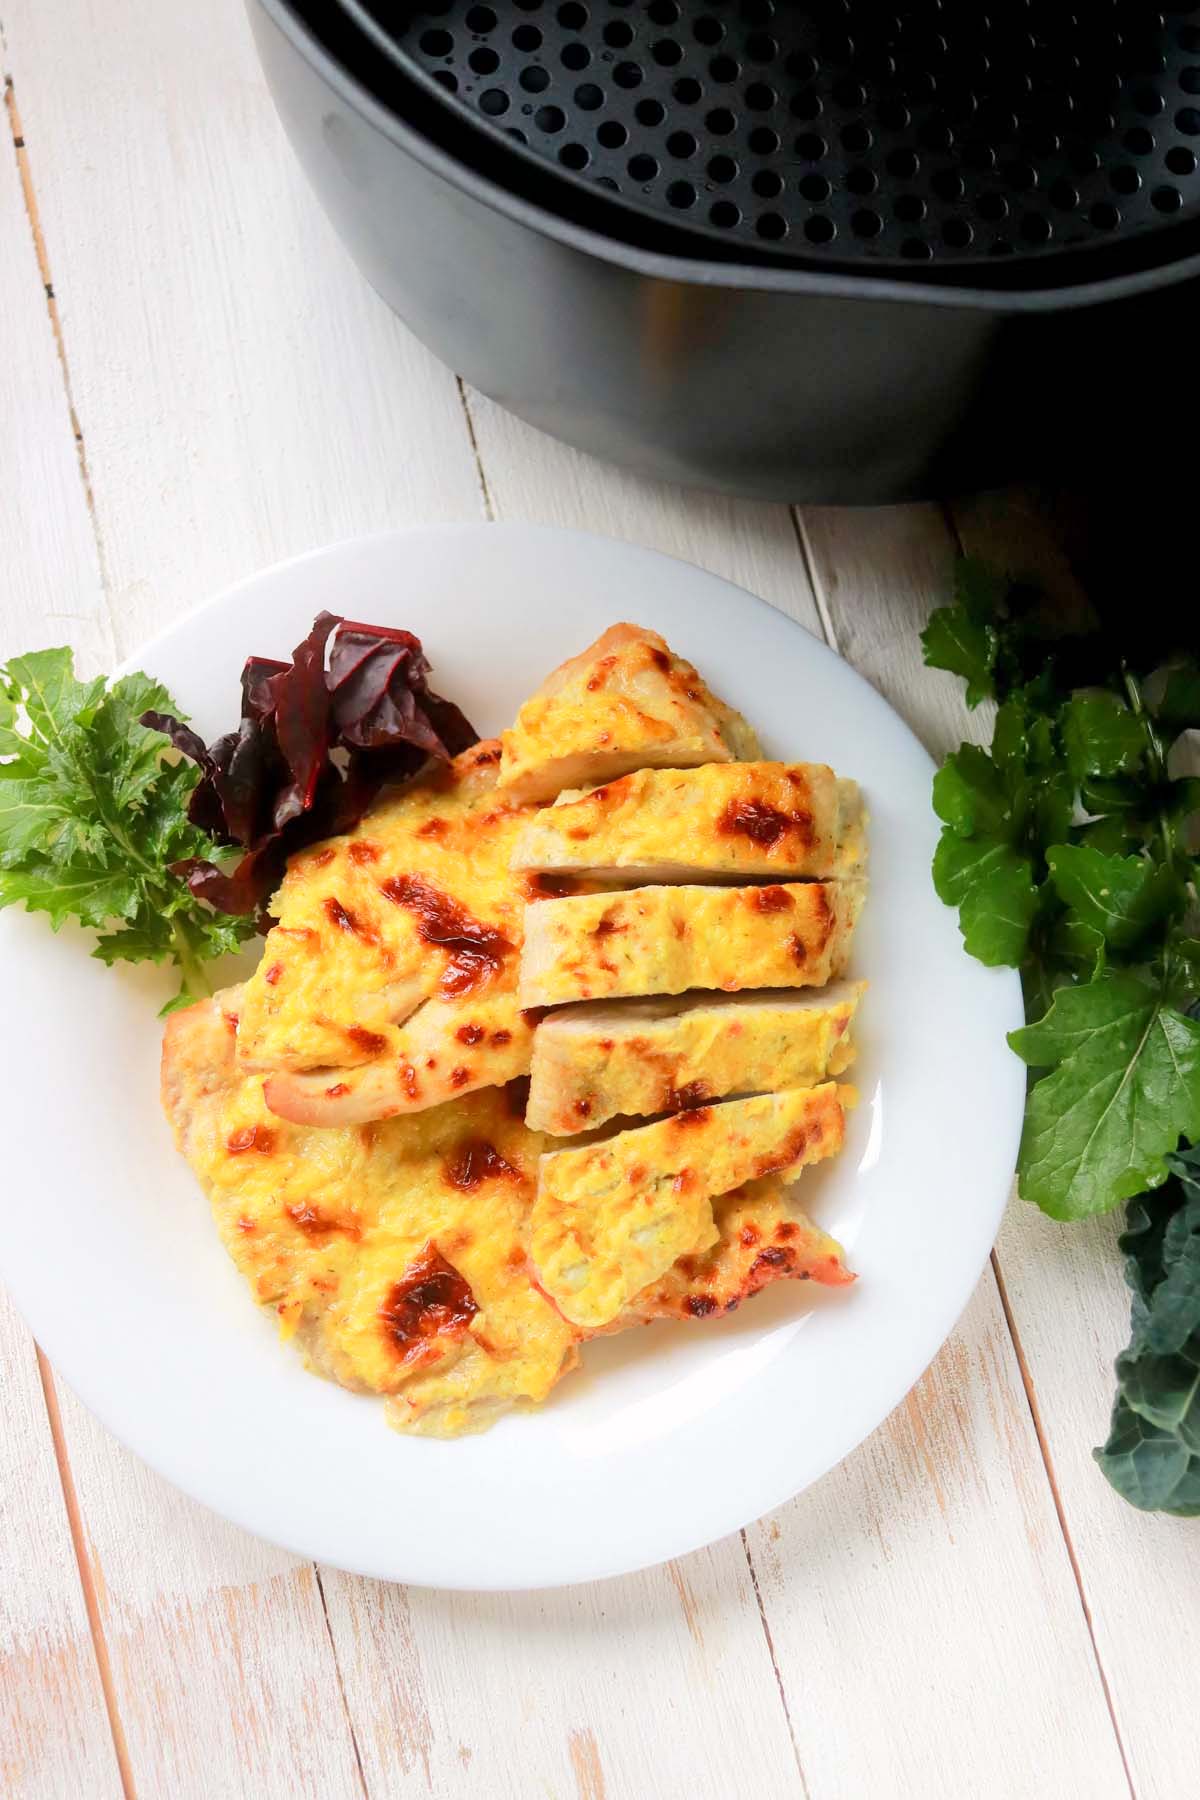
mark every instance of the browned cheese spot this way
{"type": "Point", "coordinates": [477, 1161]}
{"type": "Point", "coordinates": [251, 1137]}
{"type": "Point", "coordinates": [771, 900]}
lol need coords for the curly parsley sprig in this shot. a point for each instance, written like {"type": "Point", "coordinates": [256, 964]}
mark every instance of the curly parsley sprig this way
{"type": "Point", "coordinates": [92, 817]}
{"type": "Point", "coordinates": [1069, 852]}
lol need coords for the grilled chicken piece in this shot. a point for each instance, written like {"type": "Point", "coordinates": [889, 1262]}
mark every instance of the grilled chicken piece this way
{"type": "Point", "coordinates": [595, 1062]}
{"type": "Point", "coordinates": [761, 1238]}
{"type": "Point", "coordinates": [627, 702]}
{"type": "Point", "coordinates": [730, 821]}
{"type": "Point", "coordinates": [665, 940]}
{"type": "Point", "coordinates": [396, 1254]}
{"type": "Point", "coordinates": [447, 1048]}
{"type": "Point", "coordinates": [417, 903]}
{"type": "Point", "coordinates": [613, 1216]}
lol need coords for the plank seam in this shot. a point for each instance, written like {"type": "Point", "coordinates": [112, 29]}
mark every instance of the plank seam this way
{"type": "Point", "coordinates": [86, 1578]}
{"type": "Point", "coordinates": [29, 196]}
{"type": "Point", "coordinates": [485, 492]}
{"type": "Point", "coordinates": [814, 581]}
{"type": "Point", "coordinates": [362, 1779]}
{"type": "Point", "coordinates": [1059, 1510]}
{"type": "Point", "coordinates": [770, 1642]}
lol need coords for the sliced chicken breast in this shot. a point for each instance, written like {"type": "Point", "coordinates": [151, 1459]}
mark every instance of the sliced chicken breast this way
{"type": "Point", "coordinates": [667, 940]}
{"type": "Point", "coordinates": [762, 1237]}
{"type": "Point", "coordinates": [612, 1217]}
{"type": "Point", "coordinates": [627, 702]}
{"type": "Point", "coordinates": [446, 1049]}
{"type": "Point", "coordinates": [596, 1061]}
{"type": "Point", "coordinates": [725, 821]}
{"type": "Point", "coordinates": [394, 1255]}
{"type": "Point", "coordinates": [417, 903]}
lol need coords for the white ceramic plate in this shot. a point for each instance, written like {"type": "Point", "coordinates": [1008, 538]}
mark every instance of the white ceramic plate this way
{"type": "Point", "coordinates": [669, 1436]}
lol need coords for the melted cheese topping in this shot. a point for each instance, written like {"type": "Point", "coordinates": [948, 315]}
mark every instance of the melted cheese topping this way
{"type": "Point", "coordinates": [591, 1063]}
{"type": "Point", "coordinates": [627, 702]}
{"type": "Point", "coordinates": [729, 821]}
{"type": "Point", "coordinates": [335, 1230]}
{"type": "Point", "coordinates": [665, 940]}
{"type": "Point", "coordinates": [762, 1237]}
{"type": "Point", "coordinates": [611, 1217]}
{"type": "Point", "coordinates": [418, 901]}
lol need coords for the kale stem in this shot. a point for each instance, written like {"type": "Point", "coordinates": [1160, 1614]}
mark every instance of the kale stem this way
{"type": "Point", "coordinates": [191, 968]}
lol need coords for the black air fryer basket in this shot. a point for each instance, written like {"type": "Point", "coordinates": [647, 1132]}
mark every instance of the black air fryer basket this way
{"type": "Point", "coordinates": [810, 252]}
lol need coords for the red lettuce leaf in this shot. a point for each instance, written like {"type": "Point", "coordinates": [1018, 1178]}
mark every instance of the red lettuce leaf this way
{"type": "Point", "coordinates": [311, 751]}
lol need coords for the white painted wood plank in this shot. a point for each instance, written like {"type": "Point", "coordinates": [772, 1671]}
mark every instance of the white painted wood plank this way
{"type": "Point", "coordinates": [922, 1606]}
{"type": "Point", "coordinates": [659, 1684]}
{"type": "Point", "coordinates": [1140, 1574]}
{"type": "Point", "coordinates": [531, 477]}
{"type": "Point", "coordinates": [54, 1733]}
{"type": "Point", "coordinates": [243, 394]}
{"type": "Point", "coordinates": [221, 1659]}
{"type": "Point", "coordinates": [51, 588]}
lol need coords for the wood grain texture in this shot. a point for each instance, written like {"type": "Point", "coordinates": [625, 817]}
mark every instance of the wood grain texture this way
{"type": "Point", "coordinates": [1140, 1575]}
{"type": "Point", "coordinates": [221, 1661]}
{"type": "Point", "coordinates": [657, 1684]}
{"type": "Point", "coordinates": [529, 476]}
{"type": "Point", "coordinates": [54, 1732]}
{"type": "Point", "coordinates": [922, 1605]}
{"type": "Point", "coordinates": [242, 393]}
{"type": "Point", "coordinates": [52, 587]}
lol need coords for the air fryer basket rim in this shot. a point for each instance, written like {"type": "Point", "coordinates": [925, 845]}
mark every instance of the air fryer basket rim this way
{"type": "Point", "coordinates": [881, 231]}
{"type": "Point", "coordinates": [697, 273]}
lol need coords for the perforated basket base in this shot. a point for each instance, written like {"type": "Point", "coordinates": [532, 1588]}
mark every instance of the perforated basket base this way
{"type": "Point", "coordinates": [841, 132]}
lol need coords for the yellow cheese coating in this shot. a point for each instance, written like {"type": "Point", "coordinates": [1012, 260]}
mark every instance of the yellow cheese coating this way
{"type": "Point", "coordinates": [592, 1063]}
{"type": "Point", "coordinates": [666, 940]}
{"type": "Point", "coordinates": [626, 702]}
{"type": "Point", "coordinates": [733, 821]}
{"type": "Point", "coordinates": [611, 1217]}
{"type": "Point", "coordinates": [357, 949]}
{"type": "Point", "coordinates": [327, 1226]}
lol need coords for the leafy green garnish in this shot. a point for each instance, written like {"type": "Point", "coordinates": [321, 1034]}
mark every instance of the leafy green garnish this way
{"type": "Point", "coordinates": [1124, 1088]}
{"type": "Point", "coordinates": [1152, 1456]}
{"type": "Point", "coordinates": [1066, 849]}
{"type": "Point", "coordinates": [92, 817]}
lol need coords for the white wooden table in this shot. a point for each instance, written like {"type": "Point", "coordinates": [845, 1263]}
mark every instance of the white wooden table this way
{"type": "Point", "coordinates": [195, 382]}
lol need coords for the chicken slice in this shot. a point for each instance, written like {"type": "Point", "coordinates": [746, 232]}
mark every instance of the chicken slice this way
{"type": "Point", "coordinates": [394, 1255]}
{"type": "Point", "coordinates": [611, 1217]}
{"type": "Point", "coordinates": [761, 1238]}
{"type": "Point", "coordinates": [729, 821]}
{"type": "Point", "coordinates": [447, 1048]}
{"type": "Point", "coordinates": [627, 702]}
{"type": "Point", "coordinates": [594, 1062]}
{"type": "Point", "coordinates": [665, 940]}
{"type": "Point", "coordinates": [417, 903]}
